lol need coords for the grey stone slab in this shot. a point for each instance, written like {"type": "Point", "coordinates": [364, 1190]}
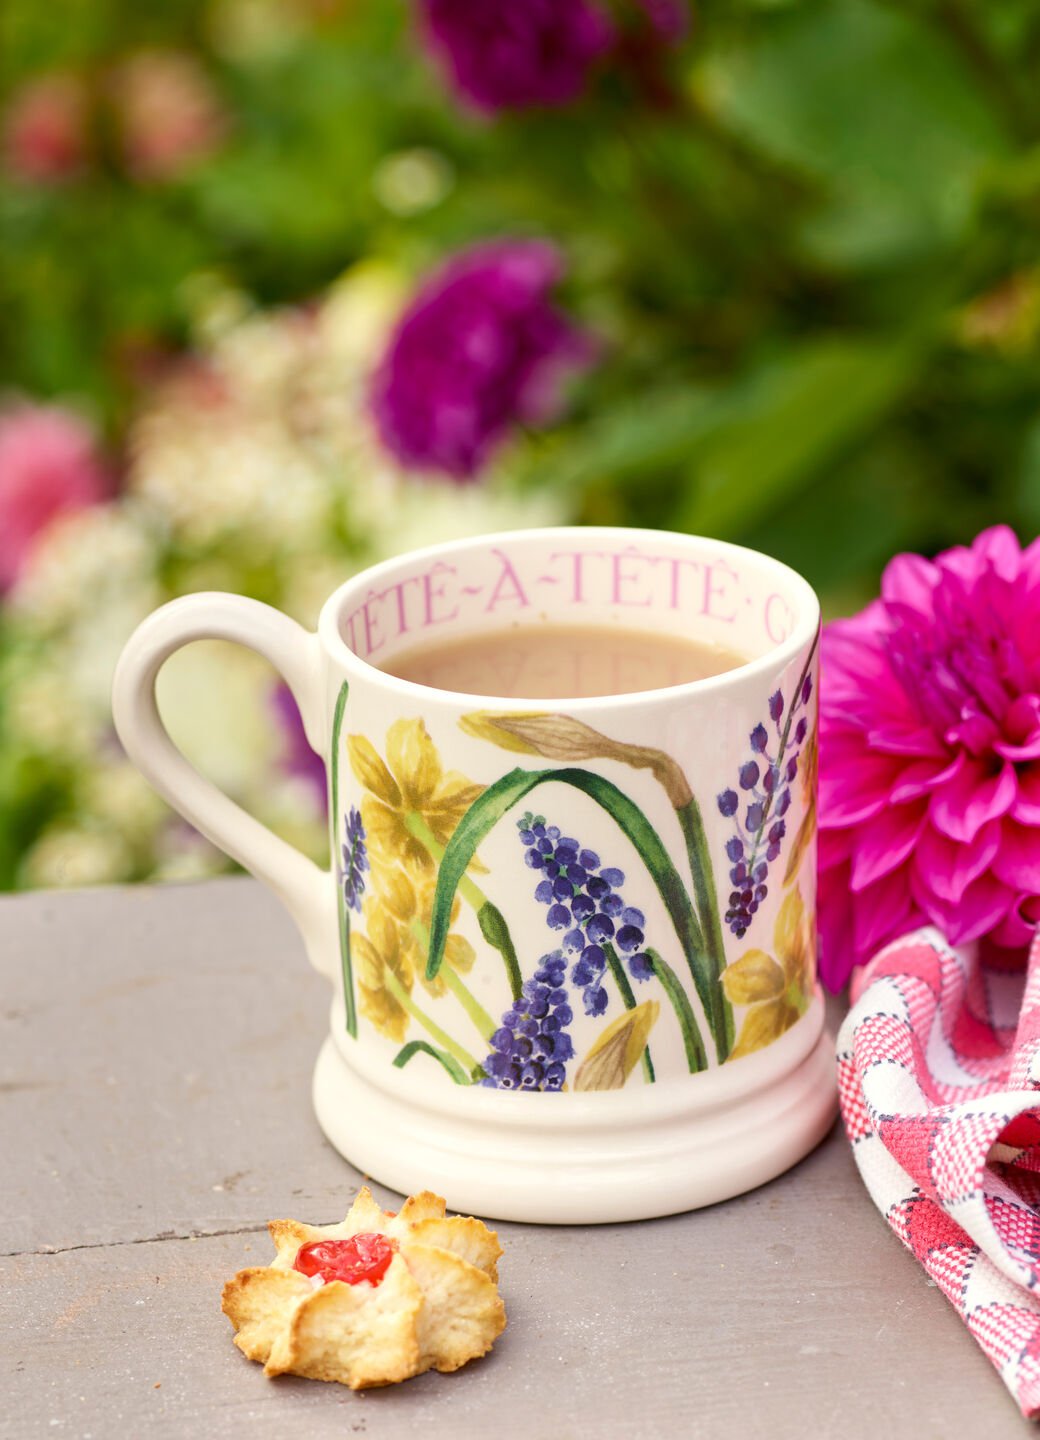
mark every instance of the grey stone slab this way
{"type": "Point", "coordinates": [154, 1069]}
{"type": "Point", "coordinates": [156, 1046]}
{"type": "Point", "coordinates": [790, 1313]}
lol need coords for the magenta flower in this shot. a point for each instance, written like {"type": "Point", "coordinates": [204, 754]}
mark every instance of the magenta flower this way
{"type": "Point", "coordinates": [930, 755]}
{"type": "Point", "coordinates": [49, 463]}
{"type": "Point", "coordinates": [512, 54]}
{"type": "Point", "coordinates": [479, 349]}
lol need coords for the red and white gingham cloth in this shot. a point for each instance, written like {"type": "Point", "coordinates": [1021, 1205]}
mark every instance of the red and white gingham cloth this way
{"type": "Point", "coordinates": [939, 1075]}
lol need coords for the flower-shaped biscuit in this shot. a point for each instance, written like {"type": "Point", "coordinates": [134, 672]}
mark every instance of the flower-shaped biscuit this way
{"type": "Point", "coordinates": [374, 1300]}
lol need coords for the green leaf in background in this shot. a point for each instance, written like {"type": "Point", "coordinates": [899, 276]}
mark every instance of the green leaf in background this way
{"type": "Point", "coordinates": [1029, 476]}
{"type": "Point", "coordinates": [876, 106]}
{"type": "Point", "coordinates": [785, 421]}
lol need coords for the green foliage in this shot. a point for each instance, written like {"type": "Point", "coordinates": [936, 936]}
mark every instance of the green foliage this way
{"type": "Point", "coordinates": [792, 237]}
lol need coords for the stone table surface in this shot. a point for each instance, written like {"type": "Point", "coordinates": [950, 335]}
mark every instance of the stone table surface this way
{"type": "Point", "coordinates": [155, 1054]}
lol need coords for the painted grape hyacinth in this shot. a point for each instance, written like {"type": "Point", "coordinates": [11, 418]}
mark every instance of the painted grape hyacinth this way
{"type": "Point", "coordinates": [758, 808]}
{"type": "Point", "coordinates": [531, 1047]}
{"type": "Point", "coordinates": [355, 860]}
{"type": "Point", "coordinates": [584, 901]}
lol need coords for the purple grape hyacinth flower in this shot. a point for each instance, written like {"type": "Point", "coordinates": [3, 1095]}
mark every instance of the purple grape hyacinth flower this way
{"type": "Point", "coordinates": [531, 1047]}
{"type": "Point", "coordinates": [585, 903]}
{"type": "Point", "coordinates": [758, 808]}
{"type": "Point", "coordinates": [515, 54]}
{"type": "Point", "coordinates": [355, 860]}
{"type": "Point", "coordinates": [479, 349]}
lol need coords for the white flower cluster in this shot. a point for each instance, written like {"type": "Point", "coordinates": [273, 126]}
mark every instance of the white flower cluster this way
{"type": "Point", "coordinates": [256, 469]}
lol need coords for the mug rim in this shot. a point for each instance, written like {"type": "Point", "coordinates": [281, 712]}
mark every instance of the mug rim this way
{"type": "Point", "coordinates": [777, 657]}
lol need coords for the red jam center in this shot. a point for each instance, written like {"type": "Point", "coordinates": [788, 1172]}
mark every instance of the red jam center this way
{"type": "Point", "coordinates": [362, 1257]}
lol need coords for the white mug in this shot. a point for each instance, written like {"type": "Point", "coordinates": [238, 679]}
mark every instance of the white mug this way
{"type": "Point", "coordinates": [572, 942]}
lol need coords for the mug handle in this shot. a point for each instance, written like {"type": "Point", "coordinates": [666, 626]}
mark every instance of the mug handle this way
{"type": "Point", "coordinates": [303, 887]}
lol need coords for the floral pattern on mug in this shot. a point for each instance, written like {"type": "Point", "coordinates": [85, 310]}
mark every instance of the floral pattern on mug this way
{"type": "Point", "coordinates": [411, 804]}
{"type": "Point", "coordinates": [571, 1018]}
{"type": "Point", "coordinates": [776, 989]}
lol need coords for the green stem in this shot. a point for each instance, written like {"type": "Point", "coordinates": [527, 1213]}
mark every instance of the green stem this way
{"type": "Point", "coordinates": [469, 1002]}
{"type": "Point", "coordinates": [699, 852]}
{"type": "Point", "coordinates": [696, 1055]}
{"type": "Point", "coordinates": [627, 995]}
{"type": "Point", "coordinates": [492, 922]}
{"type": "Point", "coordinates": [343, 914]}
{"type": "Point", "coordinates": [417, 826]}
{"type": "Point", "coordinates": [401, 995]}
{"type": "Point", "coordinates": [423, 1047]}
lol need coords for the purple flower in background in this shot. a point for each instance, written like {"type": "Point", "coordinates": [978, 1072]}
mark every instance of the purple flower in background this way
{"type": "Point", "coordinates": [355, 860]}
{"type": "Point", "coordinates": [480, 348]}
{"type": "Point", "coordinates": [513, 54]}
{"type": "Point", "coordinates": [669, 19]}
{"type": "Point", "coordinates": [297, 757]}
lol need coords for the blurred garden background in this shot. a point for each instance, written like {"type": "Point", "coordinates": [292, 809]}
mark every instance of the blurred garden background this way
{"type": "Point", "coordinates": [287, 286]}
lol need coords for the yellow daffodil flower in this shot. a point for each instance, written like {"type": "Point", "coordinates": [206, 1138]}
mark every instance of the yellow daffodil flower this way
{"type": "Point", "coordinates": [412, 804]}
{"type": "Point", "coordinates": [385, 972]}
{"type": "Point", "coordinates": [409, 899]}
{"type": "Point", "coordinates": [776, 991]}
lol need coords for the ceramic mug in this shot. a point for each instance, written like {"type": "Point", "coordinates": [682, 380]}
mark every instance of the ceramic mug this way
{"type": "Point", "coordinates": [572, 942]}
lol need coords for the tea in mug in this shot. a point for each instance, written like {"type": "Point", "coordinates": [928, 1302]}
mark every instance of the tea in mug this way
{"type": "Point", "coordinates": [543, 662]}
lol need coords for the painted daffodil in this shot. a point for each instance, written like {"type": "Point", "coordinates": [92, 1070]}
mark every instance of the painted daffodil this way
{"type": "Point", "coordinates": [385, 971]}
{"type": "Point", "coordinates": [412, 804]}
{"type": "Point", "coordinates": [776, 991]}
{"type": "Point", "coordinates": [408, 897]}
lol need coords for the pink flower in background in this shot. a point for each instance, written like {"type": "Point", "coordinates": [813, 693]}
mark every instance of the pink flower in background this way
{"type": "Point", "coordinates": [930, 755]}
{"type": "Point", "coordinates": [512, 54]}
{"type": "Point", "coordinates": [49, 463]}
{"type": "Point", "coordinates": [168, 114]}
{"type": "Point", "coordinates": [46, 129]}
{"type": "Point", "coordinates": [479, 349]}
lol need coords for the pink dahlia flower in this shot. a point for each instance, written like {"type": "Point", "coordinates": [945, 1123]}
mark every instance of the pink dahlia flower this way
{"type": "Point", "coordinates": [930, 755]}
{"type": "Point", "coordinates": [49, 463]}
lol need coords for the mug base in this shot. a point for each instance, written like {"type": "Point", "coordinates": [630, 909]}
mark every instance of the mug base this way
{"type": "Point", "coordinates": [662, 1166]}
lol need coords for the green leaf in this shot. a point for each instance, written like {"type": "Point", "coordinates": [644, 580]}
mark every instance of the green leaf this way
{"type": "Point", "coordinates": [342, 912]}
{"type": "Point", "coordinates": [654, 431]}
{"type": "Point", "coordinates": [495, 931]}
{"type": "Point", "coordinates": [875, 104]}
{"type": "Point", "coordinates": [485, 813]}
{"type": "Point", "coordinates": [698, 850]}
{"type": "Point", "coordinates": [629, 1001]}
{"type": "Point", "coordinates": [793, 415]}
{"type": "Point", "coordinates": [452, 1066]}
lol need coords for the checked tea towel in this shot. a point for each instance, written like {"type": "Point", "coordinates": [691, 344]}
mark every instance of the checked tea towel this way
{"type": "Point", "coordinates": [939, 1075]}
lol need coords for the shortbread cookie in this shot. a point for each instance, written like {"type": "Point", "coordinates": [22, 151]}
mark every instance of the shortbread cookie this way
{"type": "Point", "coordinates": [374, 1300]}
